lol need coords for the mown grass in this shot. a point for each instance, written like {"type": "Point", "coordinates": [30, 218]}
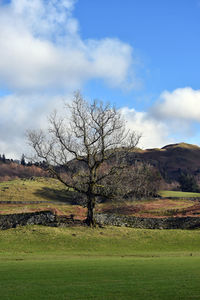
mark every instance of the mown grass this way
{"type": "Point", "coordinates": [39, 262]}
{"type": "Point", "coordinates": [101, 278]}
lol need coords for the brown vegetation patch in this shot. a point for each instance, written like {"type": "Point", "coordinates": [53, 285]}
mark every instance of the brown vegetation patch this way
{"type": "Point", "coordinates": [166, 204]}
{"type": "Point", "coordinates": [152, 208]}
{"type": "Point", "coordinates": [190, 211]}
{"type": "Point", "coordinates": [14, 171]}
{"type": "Point", "coordinates": [122, 209]}
{"type": "Point", "coordinates": [75, 211]}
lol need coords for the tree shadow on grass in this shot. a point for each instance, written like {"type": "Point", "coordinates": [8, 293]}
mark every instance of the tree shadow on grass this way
{"type": "Point", "coordinates": [62, 196]}
{"type": "Point", "coordinates": [122, 209]}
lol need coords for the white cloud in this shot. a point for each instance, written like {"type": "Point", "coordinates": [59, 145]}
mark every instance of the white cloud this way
{"type": "Point", "coordinates": [179, 110]}
{"type": "Point", "coordinates": [182, 104]}
{"type": "Point", "coordinates": [154, 133]}
{"type": "Point", "coordinates": [173, 118]}
{"type": "Point", "coordinates": [42, 54]}
{"type": "Point", "coordinates": [45, 19]}
{"type": "Point", "coordinates": [40, 48]}
{"type": "Point", "coordinates": [19, 113]}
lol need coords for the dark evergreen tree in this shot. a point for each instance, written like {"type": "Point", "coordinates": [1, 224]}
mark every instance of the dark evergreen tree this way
{"type": "Point", "coordinates": [3, 158]}
{"type": "Point", "coordinates": [23, 162]}
{"type": "Point", "coordinates": [188, 183]}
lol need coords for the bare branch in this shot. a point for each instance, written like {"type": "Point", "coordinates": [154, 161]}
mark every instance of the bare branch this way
{"type": "Point", "coordinates": [81, 144]}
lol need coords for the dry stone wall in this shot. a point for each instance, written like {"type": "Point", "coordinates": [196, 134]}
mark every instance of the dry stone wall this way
{"type": "Point", "coordinates": [48, 218]}
{"type": "Point", "coordinates": [149, 223]}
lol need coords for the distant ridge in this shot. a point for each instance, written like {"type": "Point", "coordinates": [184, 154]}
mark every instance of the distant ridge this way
{"type": "Point", "coordinates": [181, 145]}
{"type": "Point", "coordinates": [171, 159]}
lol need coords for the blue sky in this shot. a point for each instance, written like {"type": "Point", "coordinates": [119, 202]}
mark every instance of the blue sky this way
{"type": "Point", "coordinates": [143, 56]}
{"type": "Point", "coordinates": [164, 36]}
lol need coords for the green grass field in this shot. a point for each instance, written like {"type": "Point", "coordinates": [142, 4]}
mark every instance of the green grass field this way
{"type": "Point", "coordinates": [105, 263]}
{"type": "Point", "coordinates": [108, 263]}
{"type": "Point", "coordinates": [179, 194]}
{"type": "Point", "coordinates": [101, 278]}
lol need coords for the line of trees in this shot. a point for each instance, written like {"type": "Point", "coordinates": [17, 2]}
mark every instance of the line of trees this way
{"type": "Point", "coordinates": [22, 161]}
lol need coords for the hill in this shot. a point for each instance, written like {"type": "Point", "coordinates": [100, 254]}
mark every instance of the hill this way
{"type": "Point", "coordinates": [171, 160]}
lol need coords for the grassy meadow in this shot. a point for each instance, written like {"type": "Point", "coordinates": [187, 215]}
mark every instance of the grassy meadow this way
{"type": "Point", "coordinates": [23, 195]}
{"type": "Point", "coordinates": [36, 189]}
{"type": "Point", "coordinates": [38, 262]}
{"type": "Point", "coordinates": [179, 194]}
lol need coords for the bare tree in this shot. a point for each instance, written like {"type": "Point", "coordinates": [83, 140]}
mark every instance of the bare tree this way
{"type": "Point", "coordinates": [92, 136]}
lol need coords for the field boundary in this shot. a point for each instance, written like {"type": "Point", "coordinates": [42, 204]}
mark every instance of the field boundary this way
{"type": "Point", "coordinates": [48, 218]}
{"type": "Point", "coordinates": [148, 223]}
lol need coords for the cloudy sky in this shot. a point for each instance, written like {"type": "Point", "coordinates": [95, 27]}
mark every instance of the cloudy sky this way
{"type": "Point", "coordinates": [143, 56]}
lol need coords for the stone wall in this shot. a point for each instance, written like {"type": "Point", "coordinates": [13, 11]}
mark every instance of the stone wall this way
{"type": "Point", "coordinates": [46, 218]}
{"type": "Point", "coordinates": [149, 223]}
{"type": "Point", "coordinates": [24, 202]}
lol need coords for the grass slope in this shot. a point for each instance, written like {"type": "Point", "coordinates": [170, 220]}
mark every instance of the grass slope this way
{"type": "Point", "coordinates": [38, 189]}
{"type": "Point", "coordinates": [48, 190]}
{"type": "Point", "coordinates": [39, 262]}
{"type": "Point", "coordinates": [39, 240]}
{"type": "Point", "coordinates": [55, 197]}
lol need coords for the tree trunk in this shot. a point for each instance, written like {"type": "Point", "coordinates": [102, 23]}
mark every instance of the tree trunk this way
{"type": "Point", "coordinates": [90, 221]}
